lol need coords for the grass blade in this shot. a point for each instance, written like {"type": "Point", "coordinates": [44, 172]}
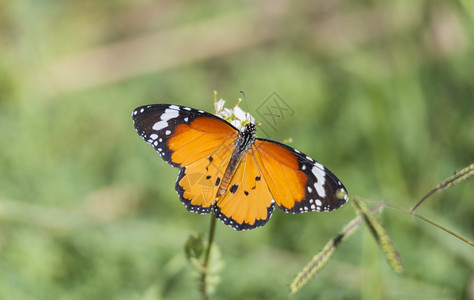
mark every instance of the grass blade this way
{"type": "Point", "coordinates": [380, 235]}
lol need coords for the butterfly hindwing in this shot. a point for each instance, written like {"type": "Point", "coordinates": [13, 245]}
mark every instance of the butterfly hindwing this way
{"type": "Point", "coordinates": [247, 202]}
{"type": "Point", "coordinates": [297, 182]}
{"type": "Point", "coordinates": [197, 183]}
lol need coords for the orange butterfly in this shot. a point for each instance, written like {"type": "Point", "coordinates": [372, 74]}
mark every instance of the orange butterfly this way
{"type": "Point", "coordinates": [232, 172]}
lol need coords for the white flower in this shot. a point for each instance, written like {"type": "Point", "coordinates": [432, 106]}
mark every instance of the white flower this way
{"type": "Point", "coordinates": [239, 113]}
{"type": "Point", "coordinates": [219, 105]}
{"type": "Point", "coordinates": [235, 116]}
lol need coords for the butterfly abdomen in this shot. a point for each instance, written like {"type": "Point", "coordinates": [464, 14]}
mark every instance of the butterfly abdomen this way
{"type": "Point", "coordinates": [229, 172]}
{"type": "Point", "coordinates": [243, 143]}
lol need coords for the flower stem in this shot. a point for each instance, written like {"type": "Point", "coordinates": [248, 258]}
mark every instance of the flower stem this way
{"type": "Point", "coordinates": [212, 229]}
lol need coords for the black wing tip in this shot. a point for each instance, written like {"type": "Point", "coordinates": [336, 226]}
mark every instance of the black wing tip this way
{"type": "Point", "coordinates": [335, 196]}
{"type": "Point", "coordinates": [339, 192]}
{"type": "Point", "coordinates": [142, 110]}
{"type": "Point", "coordinates": [325, 193]}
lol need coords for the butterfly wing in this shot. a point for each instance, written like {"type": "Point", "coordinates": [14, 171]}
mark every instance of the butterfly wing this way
{"type": "Point", "coordinates": [198, 183]}
{"type": "Point", "coordinates": [297, 182]}
{"type": "Point", "coordinates": [247, 203]}
{"type": "Point", "coordinates": [197, 142]}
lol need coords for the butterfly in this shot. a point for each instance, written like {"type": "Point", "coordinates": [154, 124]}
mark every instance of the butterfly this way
{"type": "Point", "coordinates": [233, 173]}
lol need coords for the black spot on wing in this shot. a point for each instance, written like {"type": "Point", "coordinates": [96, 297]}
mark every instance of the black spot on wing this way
{"type": "Point", "coordinates": [234, 188]}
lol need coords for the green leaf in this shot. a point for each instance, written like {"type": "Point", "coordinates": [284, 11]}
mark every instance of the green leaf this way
{"type": "Point", "coordinates": [194, 246]}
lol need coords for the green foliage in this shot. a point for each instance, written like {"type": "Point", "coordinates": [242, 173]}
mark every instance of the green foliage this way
{"type": "Point", "coordinates": [380, 235]}
{"type": "Point", "coordinates": [381, 93]}
{"type": "Point", "coordinates": [322, 258]}
{"type": "Point", "coordinates": [193, 246]}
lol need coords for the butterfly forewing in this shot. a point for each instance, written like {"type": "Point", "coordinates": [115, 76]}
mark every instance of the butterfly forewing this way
{"type": "Point", "coordinates": [181, 135]}
{"type": "Point", "coordinates": [297, 182]}
{"type": "Point", "coordinates": [197, 142]}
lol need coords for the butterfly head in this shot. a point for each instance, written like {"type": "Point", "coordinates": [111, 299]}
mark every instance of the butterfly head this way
{"type": "Point", "coordinates": [250, 129]}
{"type": "Point", "coordinates": [246, 137]}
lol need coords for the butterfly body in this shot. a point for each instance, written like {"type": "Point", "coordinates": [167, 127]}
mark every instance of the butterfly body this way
{"type": "Point", "coordinates": [233, 173]}
{"type": "Point", "coordinates": [243, 143]}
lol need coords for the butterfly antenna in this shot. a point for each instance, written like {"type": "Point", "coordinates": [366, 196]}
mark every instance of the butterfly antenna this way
{"type": "Point", "coordinates": [268, 119]}
{"type": "Point", "coordinates": [246, 103]}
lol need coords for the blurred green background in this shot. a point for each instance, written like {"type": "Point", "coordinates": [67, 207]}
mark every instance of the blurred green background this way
{"type": "Point", "coordinates": [382, 94]}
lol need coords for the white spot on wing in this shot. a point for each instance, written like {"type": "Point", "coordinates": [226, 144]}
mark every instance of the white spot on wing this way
{"type": "Point", "coordinates": [318, 202]}
{"type": "Point", "coordinates": [168, 132]}
{"type": "Point", "coordinates": [153, 136]}
{"type": "Point", "coordinates": [320, 166]}
{"type": "Point", "coordinates": [174, 107]}
{"type": "Point", "coordinates": [321, 177]}
{"type": "Point", "coordinates": [160, 125]}
{"type": "Point", "coordinates": [169, 114]}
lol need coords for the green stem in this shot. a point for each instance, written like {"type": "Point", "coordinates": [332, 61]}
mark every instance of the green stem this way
{"type": "Point", "coordinates": [443, 228]}
{"type": "Point", "coordinates": [212, 229]}
{"type": "Point", "coordinates": [464, 174]}
{"type": "Point", "coordinates": [411, 212]}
